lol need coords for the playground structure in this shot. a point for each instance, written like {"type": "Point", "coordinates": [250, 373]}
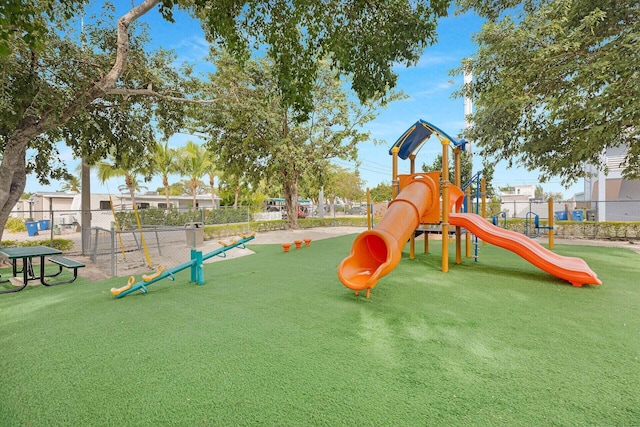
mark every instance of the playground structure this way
{"type": "Point", "coordinates": [195, 265]}
{"type": "Point", "coordinates": [532, 225]}
{"type": "Point", "coordinates": [423, 199]}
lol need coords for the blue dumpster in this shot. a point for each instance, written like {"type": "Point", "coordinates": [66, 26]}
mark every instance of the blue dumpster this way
{"type": "Point", "coordinates": [561, 215]}
{"type": "Point", "coordinates": [32, 228]}
{"type": "Point", "coordinates": [43, 224]}
{"type": "Point", "coordinates": [576, 215]}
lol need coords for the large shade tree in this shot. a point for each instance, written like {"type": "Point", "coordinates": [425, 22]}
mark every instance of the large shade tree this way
{"type": "Point", "coordinates": [345, 184]}
{"type": "Point", "coordinates": [76, 88]}
{"type": "Point", "coordinates": [53, 83]}
{"type": "Point", "coordinates": [256, 136]}
{"type": "Point", "coordinates": [28, 20]}
{"type": "Point", "coordinates": [556, 82]}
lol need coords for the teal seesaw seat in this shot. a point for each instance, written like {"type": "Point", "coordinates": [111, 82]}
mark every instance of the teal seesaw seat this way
{"type": "Point", "coordinates": [195, 264]}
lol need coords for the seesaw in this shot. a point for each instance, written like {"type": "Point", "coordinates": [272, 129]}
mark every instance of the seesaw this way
{"type": "Point", "coordinates": [195, 264]}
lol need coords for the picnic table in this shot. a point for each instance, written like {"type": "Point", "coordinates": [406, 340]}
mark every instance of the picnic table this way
{"type": "Point", "coordinates": [27, 253]}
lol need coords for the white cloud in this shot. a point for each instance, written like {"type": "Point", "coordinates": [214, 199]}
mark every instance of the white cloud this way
{"type": "Point", "coordinates": [440, 88]}
{"type": "Point", "coordinates": [430, 60]}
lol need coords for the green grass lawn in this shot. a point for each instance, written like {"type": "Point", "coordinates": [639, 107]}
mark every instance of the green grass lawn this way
{"type": "Point", "coordinates": [275, 339]}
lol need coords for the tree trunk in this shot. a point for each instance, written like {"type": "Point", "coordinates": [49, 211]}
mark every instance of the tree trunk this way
{"type": "Point", "coordinates": [236, 197]}
{"type": "Point", "coordinates": [194, 186]}
{"type": "Point", "coordinates": [165, 183]}
{"type": "Point", "coordinates": [213, 191]}
{"type": "Point", "coordinates": [290, 184]}
{"type": "Point", "coordinates": [128, 179]}
{"type": "Point", "coordinates": [13, 176]}
{"type": "Point", "coordinates": [85, 202]}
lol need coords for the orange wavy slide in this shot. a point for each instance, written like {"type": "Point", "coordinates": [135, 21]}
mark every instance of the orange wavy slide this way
{"type": "Point", "coordinates": [375, 253]}
{"type": "Point", "coordinates": [574, 270]}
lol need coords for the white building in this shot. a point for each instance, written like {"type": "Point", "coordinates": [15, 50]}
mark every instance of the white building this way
{"type": "Point", "coordinates": [611, 196]}
{"type": "Point", "coordinates": [65, 208]}
{"type": "Point", "coordinates": [520, 200]}
{"type": "Point", "coordinates": [40, 205]}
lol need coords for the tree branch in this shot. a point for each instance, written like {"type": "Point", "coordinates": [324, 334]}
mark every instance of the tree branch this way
{"type": "Point", "coordinates": [150, 92]}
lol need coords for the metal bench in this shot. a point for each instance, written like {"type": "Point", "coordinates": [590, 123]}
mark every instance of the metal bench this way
{"type": "Point", "coordinates": [64, 262]}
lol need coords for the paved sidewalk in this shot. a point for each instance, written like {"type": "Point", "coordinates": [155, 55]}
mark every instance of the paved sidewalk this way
{"type": "Point", "coordinates": [319, 233]}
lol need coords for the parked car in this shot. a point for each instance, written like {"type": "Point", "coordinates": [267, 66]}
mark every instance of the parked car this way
{"type": "Point", "coordinates": [357, 210]}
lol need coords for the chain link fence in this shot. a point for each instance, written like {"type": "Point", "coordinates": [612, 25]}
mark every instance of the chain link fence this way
{"type": "Point", "coordinates": [614, 210]}
{"type": "Point", "coordinates": [116, 243]}
{"type": "Point", "coordinates": [120, 244]}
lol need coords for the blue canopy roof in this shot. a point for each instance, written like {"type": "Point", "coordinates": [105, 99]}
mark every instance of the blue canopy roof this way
{"type": "Point", "coordinates": [411, 141]}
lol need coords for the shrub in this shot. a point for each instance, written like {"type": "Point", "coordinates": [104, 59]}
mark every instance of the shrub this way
{"type": "Point", "coordinates": [15, 225]}
{"type": "Point", "coordinates": [227, 216]}
{"type": "Point", "coordinates": [60, 244]}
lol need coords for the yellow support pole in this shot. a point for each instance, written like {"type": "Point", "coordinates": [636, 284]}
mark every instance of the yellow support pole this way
{"type": "Point", "coordinates": [144, 243]}
{"type": "Point", "coordinates": [426, 242]}
{"type": "Point", "coordinates": [445, 205]}
{"type": "Point", "coordinates": [412, 247]}
{"type": "Point", "coordinates": [394, 172]}
{"type": "Point", "coordinates": [412, 160]}
{"type": "Point", "coordinates": [115, 220]}
{"type": "Point", "coordinates": [456, 162]}
{"type": "Point", "coordinates": [369, 209]}
{"type": "Point", "coordinates": [550, 223]}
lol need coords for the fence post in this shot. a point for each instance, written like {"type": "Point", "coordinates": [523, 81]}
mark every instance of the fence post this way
{"type": "Point", "coordinates": [248, 219]}
{"type": "Point", "coordinates": [112, 252]}
{"type": "Point", "coordinates": [95, 246]}
{"type": "Point", "coordinates": [155, 228]}
{"type": "Point", "coordinates": [51, 223]}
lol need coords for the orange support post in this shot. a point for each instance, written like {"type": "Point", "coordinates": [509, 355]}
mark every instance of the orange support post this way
{"type": "Point", "coordinates": [412, 239]}
{"type": "Point", "coordinates": [395, 184]}
{"type": "Point", "coordinates": [550, 223]}
{"type": "Point", "coordinates": [468, 235]}
{"type": "Point", "coordinates": [445, 205]}
{"type": "Point", "coordinates": [369, 209]}
{"type": "Point", "coordinates": [456, 162]}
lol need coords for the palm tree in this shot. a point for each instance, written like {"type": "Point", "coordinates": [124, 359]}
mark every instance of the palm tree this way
{"type": "Point", "coordinates": [165, 162]}
{"type": "Point", "coordinates": [71, 184]}
{"type": "Point", "coordinates": [128, 167]}
{"type": "Point", "coordinates": [193, 162]}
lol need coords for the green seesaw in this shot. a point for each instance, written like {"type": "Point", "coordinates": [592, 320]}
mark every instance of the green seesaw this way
{"type": "Point", "coordinates": [195, 264]}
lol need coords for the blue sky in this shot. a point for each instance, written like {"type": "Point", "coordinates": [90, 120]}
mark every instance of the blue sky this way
{"type": "Point", "coordinates": [428, 86]}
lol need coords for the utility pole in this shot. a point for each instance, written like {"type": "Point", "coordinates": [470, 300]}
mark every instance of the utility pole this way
{"type": "Point", "coordinates": [85, 216]}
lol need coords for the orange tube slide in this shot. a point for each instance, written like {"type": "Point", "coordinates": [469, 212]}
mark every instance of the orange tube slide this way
{"type": "Point", "coordinates": [375, 253]}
